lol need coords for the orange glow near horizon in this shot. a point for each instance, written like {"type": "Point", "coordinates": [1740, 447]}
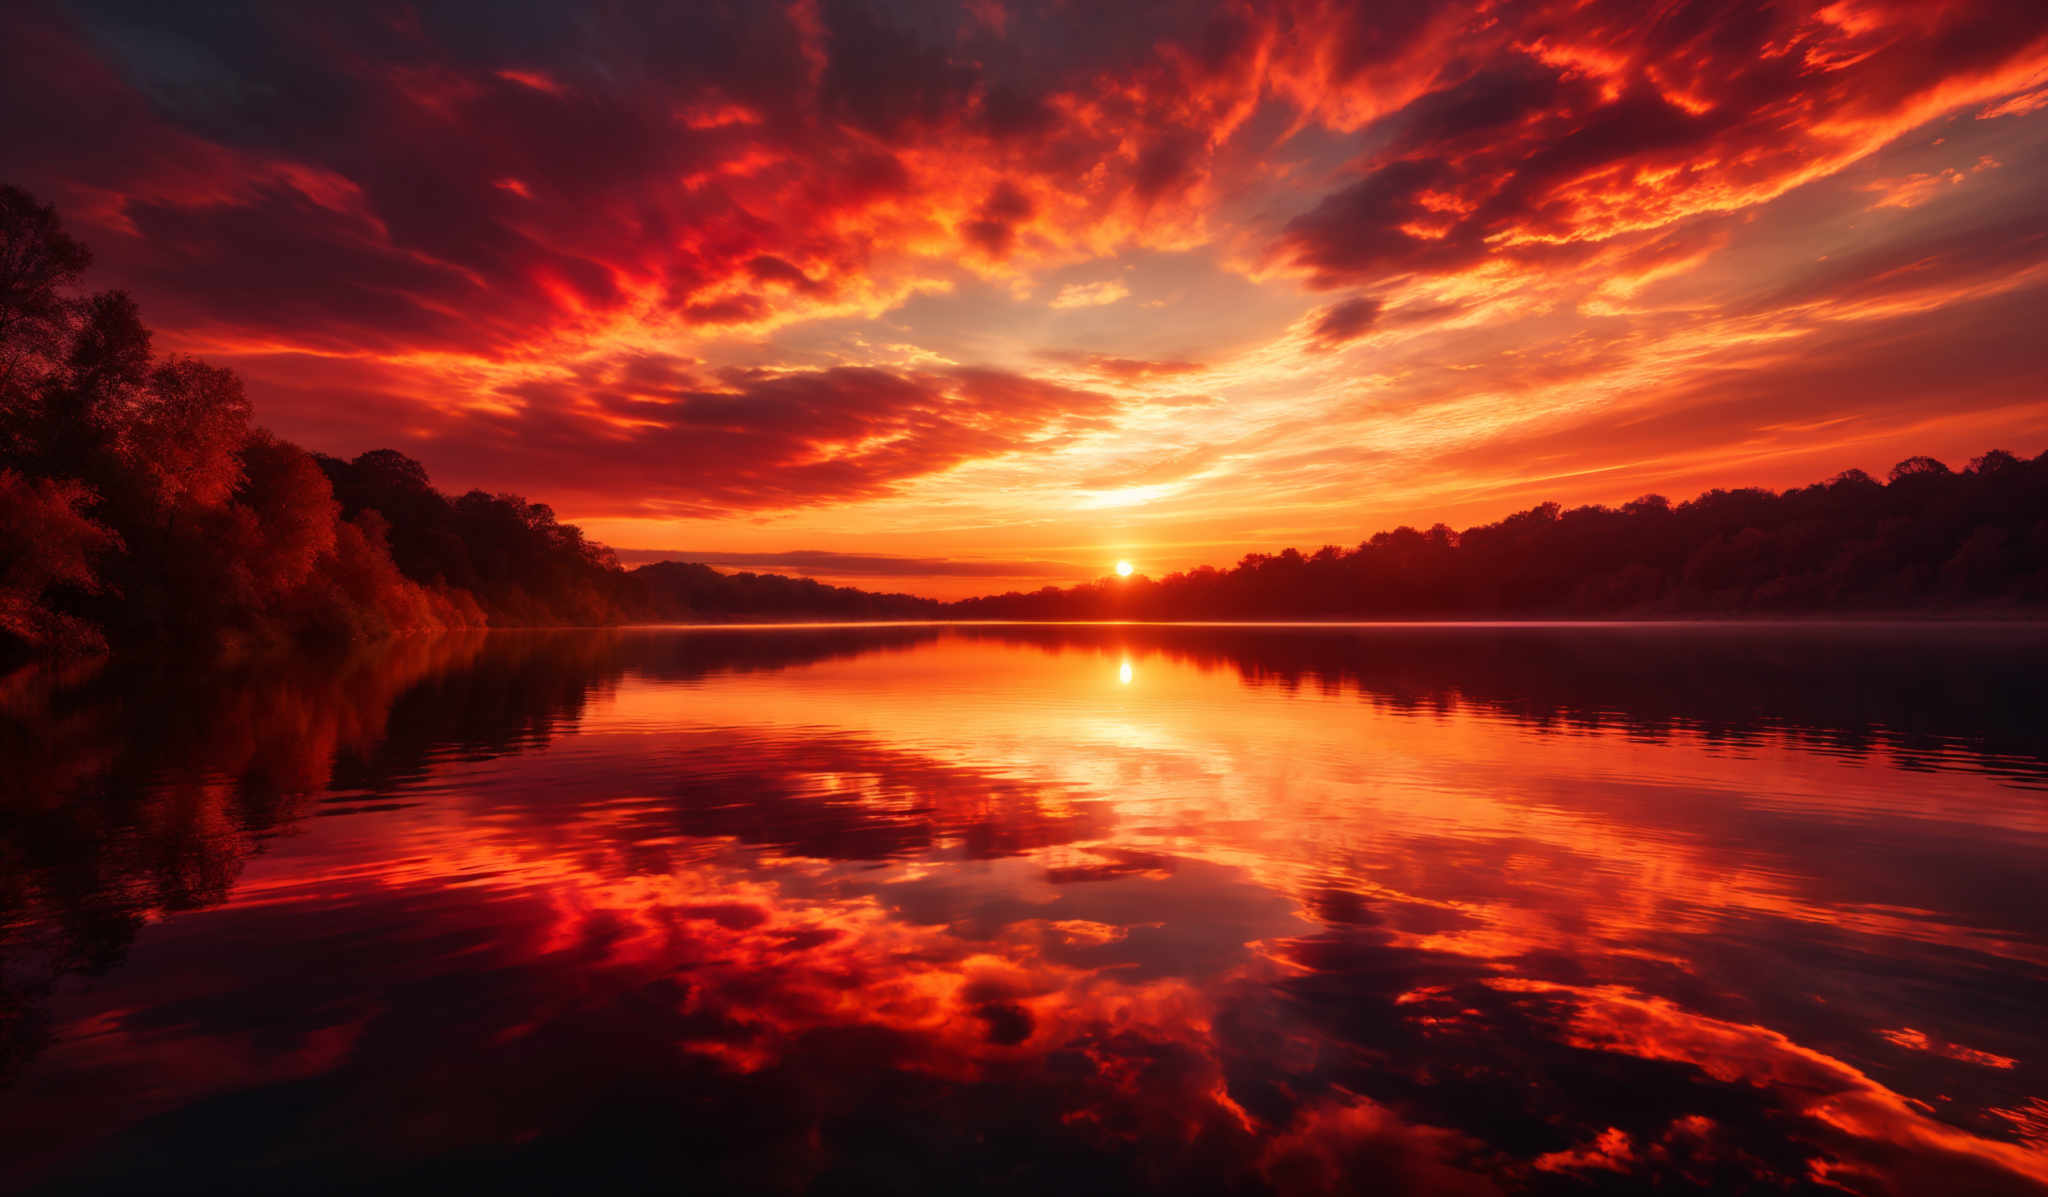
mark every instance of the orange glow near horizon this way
{"type": "Point", "coordinates": [944, 303]}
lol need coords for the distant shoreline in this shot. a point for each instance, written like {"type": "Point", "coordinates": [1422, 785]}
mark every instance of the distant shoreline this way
{"type": "Point", "coordinates": [2033, 618]}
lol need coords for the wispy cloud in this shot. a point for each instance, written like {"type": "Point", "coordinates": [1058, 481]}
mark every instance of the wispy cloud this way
{"type": "Point", "coordinates": [1089, 295]}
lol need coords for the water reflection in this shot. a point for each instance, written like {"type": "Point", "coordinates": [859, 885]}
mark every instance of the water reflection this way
{"type": "Point", "coordinates": [1455, 910]}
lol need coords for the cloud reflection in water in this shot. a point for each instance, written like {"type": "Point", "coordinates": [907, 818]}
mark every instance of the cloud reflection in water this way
{"type": "Point", "coordinates": [1462, 911]}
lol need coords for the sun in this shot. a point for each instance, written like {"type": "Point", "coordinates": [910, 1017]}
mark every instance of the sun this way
{"type": "Point", "coordinates": [1123, 569]}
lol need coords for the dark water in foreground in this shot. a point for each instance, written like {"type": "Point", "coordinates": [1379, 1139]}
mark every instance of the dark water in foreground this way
{"type": "Point", "coordinates": [1037, 910]}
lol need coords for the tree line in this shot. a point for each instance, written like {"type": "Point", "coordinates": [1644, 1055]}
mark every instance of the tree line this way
{"type": "Point", "coordinates": [1927, 539]}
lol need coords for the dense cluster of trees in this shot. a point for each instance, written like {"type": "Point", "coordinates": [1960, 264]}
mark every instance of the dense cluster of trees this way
{"type": "Point", "coordinates": [674, 586]}
{"type": "Point", "coordinates": [511, 560]}
{"type": "Point", "coordinates": [137, 501]}
{"type": "Point", "coordinates": [1928, 539]}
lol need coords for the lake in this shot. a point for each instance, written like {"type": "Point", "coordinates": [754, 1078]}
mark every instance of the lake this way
{"type": "Point", "coordinates": [1444, 909]}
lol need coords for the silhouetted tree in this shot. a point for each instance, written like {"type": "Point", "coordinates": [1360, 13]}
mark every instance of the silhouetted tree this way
{"type": "Point", "coordinates": [139, 503]}
{"type": "Point", "coordinates": [1931, 538]}
{"type": "Point", "coordinates": [37, 262]}
{"type": "Point", "coordinates": [678, 590]}
{"type": "Point", "coordinates": [47, 542]}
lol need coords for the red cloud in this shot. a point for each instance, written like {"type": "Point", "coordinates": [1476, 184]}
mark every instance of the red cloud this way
{"type": "Point", "coordinates": [684, 446]}
{"type": "Point", "coordinates": [1571, 125]}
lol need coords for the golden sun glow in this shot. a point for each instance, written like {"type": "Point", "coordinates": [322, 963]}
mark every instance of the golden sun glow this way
{"type": "Point", "coordinates": [1124, 569]}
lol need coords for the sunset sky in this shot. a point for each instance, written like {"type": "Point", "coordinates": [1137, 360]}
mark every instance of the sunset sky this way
{"type": "Point", "coordinates": [962, 298]}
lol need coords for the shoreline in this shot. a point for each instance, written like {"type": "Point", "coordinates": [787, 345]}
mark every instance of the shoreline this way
{"type": "Point", "coordinates": [2032, 619]}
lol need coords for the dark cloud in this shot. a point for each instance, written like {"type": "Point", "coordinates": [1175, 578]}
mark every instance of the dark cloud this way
{"type": "Point", "coordinates": [886, 80]}
{"type": "Point", "coordinates": [1167, 164]}
{"type": "Point", "coordinates": [767, 268]}
{"type": "Point", "coordinates": [1008, 115]}
{"type": "Point", "coordinates": [1344, 322]}
{"type": "Point", "coordinates": [994, 226]}
{"type": "Point", "coordinates": [733, 309]}
{"type": "Point", "coordinates": [1363, 230]}
{"type": "Point", "coordinates": [768, 440]}
{"type": "Point", "coordinates": [1493, 99]}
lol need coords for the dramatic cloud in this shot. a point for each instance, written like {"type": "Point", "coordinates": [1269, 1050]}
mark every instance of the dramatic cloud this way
{"type": "Point", "coordinates": [863, 272]}
{"type": "Point", "coordinates": [756, 439]}
{"type": "Point", "coordinates": [1594, 122]}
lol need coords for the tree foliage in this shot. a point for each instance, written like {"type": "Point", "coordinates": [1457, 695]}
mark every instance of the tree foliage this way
{"type": "Point", "coordinates": [676, 590]}
{"type": "Point", "coordinates": [1931, 538]}
{"type": "Point", "coordinates": [139, 506]}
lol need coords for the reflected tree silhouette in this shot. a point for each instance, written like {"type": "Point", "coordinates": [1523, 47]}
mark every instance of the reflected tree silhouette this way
{"type": "Point", "coordinates": [1917, 693]}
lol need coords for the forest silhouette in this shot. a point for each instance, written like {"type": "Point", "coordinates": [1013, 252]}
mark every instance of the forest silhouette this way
{"type": "Point", "coordinates": [1930, 539]}
{"type": "Point", "coordinates": [141, 507]}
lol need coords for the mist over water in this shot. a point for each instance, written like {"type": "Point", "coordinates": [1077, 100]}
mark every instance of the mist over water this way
{"type": "Point", "coordinates": [1037, 908]}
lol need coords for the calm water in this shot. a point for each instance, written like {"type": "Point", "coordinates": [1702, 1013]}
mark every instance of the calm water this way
{"type": "Point", "coordinates": [1461, 910]}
